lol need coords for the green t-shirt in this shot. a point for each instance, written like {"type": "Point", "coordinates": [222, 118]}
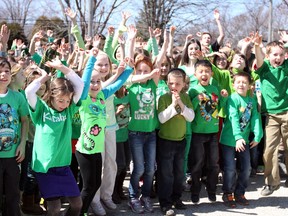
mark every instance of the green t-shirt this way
{"type": "Point", "coordinates": [93, 117]}
{"type": "Point", "coordinates": [142, 98]}
{"type": "Point", "coordinates": [52, 141]}
{"type": "Point", "coordinates": [206, 111]}
{"type": "Point", "coordinates": [13, 106]}
{"type": "Point", "coordinates": [175, 128]}
{"type": "Point", "coordinates": [122, 118]}
{"type": "Point", "coordinates": [274, 82]}
{"type": "Point", "coordinates": [242, 118]}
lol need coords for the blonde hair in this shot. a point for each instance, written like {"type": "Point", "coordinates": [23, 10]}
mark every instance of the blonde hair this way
{"type": "Point", "coordinates": [16, 69]}
{"type": "Point", "coordinates": [272, 44]}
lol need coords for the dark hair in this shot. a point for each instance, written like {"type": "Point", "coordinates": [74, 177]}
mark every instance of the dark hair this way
{"type": "Point", "coordinates": [246, 68]}
{"type": "Point", "coordinates": [204, 63]}
{"type": "Point", "coordinates": [243, 74]}
{"type": "Point", "coordinates": [102, 37]}
{"type": "Point", "coordinates": [4, 62]}
{"type": "Point", "coordinates": [185, 57]}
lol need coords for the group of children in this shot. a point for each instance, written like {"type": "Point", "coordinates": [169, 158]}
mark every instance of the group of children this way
{"type": "Point", "coordinates": [167, 115]}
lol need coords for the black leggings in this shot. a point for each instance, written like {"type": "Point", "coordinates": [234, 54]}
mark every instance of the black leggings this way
{"type": "Point", "coordinates": [91, 170]}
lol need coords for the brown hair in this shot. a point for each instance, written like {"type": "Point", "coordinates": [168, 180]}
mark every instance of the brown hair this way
{"type": "Point", "coordinates": [58, 87]}
{"type": "Point", "coordinates": [272, 44]}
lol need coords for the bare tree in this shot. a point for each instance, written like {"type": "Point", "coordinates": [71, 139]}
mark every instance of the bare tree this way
{"type": "Point", "coordinates": [17, 11]}
{"type": "Point", "coordinates": [102, 12]}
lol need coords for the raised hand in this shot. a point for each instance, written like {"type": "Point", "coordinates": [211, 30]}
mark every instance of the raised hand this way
{"type": "Point", "coordinates": [4, 34]}
{"type": "Point", "coordinates": [132, 32]}
{"type": "Point", "coordinates": [111, 31]}
{"type": "Point", "coordinates": [70, 13]}
{"type": "Point", "coordinates": [216, 14]}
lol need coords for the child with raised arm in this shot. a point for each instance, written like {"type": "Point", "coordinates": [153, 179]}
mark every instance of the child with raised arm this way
{"type": "Point", "coordinates": [242, 119]}
{"type": "Point", "coordinates": [52, 148]}
{"type": "Point", "coordinates": [93, 115]}
{"type": "Point", "coordinates": [14, 128]}
{"type": "Point", "coordinates": [174, 110]}
{"type": "Point", "coordinates": [206, 100]}
{"type": "Point", "coordinates": [273, 78]}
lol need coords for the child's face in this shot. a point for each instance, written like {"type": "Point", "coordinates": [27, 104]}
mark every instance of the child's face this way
{"type": "Point", "coordinates": [19, 79]}
{"type": "Point", "coordinates": [142, 68]}
{"type": "Point", "coordinates": [192, 49]}
{"type": "Point", "coordinates": [203, 74]}
{"type": "Point", "coordinates": [61, 102]}
{"type": "Point", "coordinates": [206, 40]}
{"type": "Point", "coordinates": [164, 69]}
{"type": "Point", "coordinates": [95, 84]}
{"type": "Point", "coordinates": [101, 44]}
{"type": "Point", "coordinates": [175, 83]}
{"type": "Point", "coordinates": [221, 62]}
{"type": "Point", "coordinates": [5, 76]}
{"type": "Point", "coordinates": [102, 65]}
{"type": "Point", "coordinates": [238, 62]}
{"type": "Point", "coordinates": [276, 56]}
{"type": "Point", "coordinates": [241, 85]}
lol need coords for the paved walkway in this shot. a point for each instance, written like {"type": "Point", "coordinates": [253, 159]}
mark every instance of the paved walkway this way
{"type": "Point", "coordinates": [275, 204]}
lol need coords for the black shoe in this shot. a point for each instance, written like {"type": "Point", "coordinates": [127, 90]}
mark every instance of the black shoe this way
{"type": "Point", "coordinates": [179, 204]}
{"type": "Point", "coordinates": [116, 198]}
{"type": "Point", "coordinates": [212, 197]}
{"type": "Point", "coordinates": [195, 198]}
{"type": "Point", "coordinates": [253, 173]}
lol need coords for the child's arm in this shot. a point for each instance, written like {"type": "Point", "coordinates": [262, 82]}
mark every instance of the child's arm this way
{"type": "Point", "coordinates": [20, 151]}
{"type": "Point", "coordinates": [76, 81]}
{"type": "Point", "coordinates": [256, 126]}
{"type": "Point", "coordinates": [86, 77]}
{"type": "Point", "coordinates": [36, 37]}
{"type": "Point", "coordinates": [132, 33]}
{"type": "Point", "coordinates": [165, 112]}
{"type": "Point", "coordinates": [34, 86]}
{"type": "Point", "coordinates": [5, 34]}
{"type": "Point", "coordinates": [154, 74]}
{"type": "Point", "coordinates": [258, 52]}
{"type": "Point", "coordinates": [75, 29]}
{"type": "Point", "coordinates": [220, 28]}
{"type": "Point", "coordinates": [162, 53]}
{"type": "Point", "coordinates": [171, 41]}
{"type": "Point", "coordinates": [111, 89]}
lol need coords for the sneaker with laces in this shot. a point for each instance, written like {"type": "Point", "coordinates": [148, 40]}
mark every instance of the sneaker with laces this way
{"type": "Point", "coordinates": [167, 211]}
{"type": "Point", "coordinates": [109, 204]}
{"type": "Point", "coordinates": [97, 208]}
{"type": "Point", "coordinates": [241, 199]}
{"type": "Point", "coordinates": [228, 199]}
{"type": "Point", "coordinates": [136, 206]}
{"type": "Point", "coordinates": [146, 202]}
{"type": "Point", "coordinates": [269, 189]}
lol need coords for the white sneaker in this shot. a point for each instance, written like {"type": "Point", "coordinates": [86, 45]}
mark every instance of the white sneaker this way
{"type": "Point", "coordinates": [97, 209]}
{"type": "Point", "coordinates": [109, 204]}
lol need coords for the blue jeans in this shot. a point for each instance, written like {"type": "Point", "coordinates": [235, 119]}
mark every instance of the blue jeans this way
{"type": "Point", "coordinates": [204, 153]}
{"type": "Point", "coordinates": [170, 170]}
{"type": "Point", "coordinates": [143, 150]}
{"type": "Point", "coordinates": [232, 183]}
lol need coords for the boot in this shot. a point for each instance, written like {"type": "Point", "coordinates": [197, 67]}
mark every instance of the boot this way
{"type": "Point", "coordinates": [29, 207]}
{"type": "Point", "coordinates": [121, 179]}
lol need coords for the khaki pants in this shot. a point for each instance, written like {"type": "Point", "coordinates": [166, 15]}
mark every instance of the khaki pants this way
{"type": "Point", "coordinates": [276, 129]}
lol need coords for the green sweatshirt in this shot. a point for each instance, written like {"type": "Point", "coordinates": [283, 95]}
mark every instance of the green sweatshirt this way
{"type": "Point", "coordinates": [274, 82]}
{"type": "Point", "coordinates": [242, 118]}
